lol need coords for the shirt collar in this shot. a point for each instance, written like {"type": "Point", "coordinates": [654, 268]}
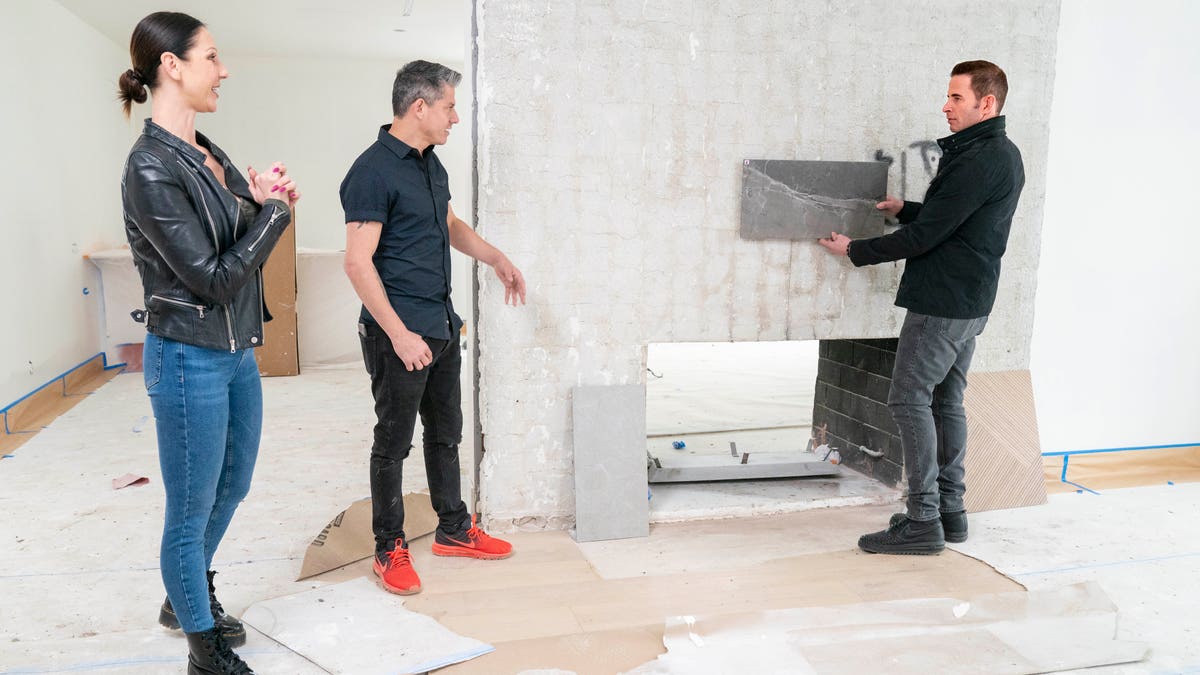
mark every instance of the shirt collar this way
{"type": "Point", "coordinates": [398, 146]}
{"type": "Point", "coordinates": [985, 129]}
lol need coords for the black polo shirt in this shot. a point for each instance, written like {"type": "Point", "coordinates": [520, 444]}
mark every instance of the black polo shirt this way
{"type": "Point", "coordinates": [409, 192]}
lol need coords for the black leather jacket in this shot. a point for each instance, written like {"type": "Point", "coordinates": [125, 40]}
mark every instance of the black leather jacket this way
{"type": "Point", "coordinates": [198, 247]}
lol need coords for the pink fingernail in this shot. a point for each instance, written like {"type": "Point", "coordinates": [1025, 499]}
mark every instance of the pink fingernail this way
{"type": "Point", "coordinates": [274, 188]}
{"type": "Point", "coordinates": [276, 169]}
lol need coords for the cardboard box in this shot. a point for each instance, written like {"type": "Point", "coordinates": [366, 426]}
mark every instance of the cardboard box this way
{"type": "Point", "coordinates": [279, 354]}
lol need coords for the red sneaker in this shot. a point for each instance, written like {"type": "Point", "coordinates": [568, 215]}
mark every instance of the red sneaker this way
{"type": "Point", "coordinates": [395, 571]}
{"type": "Point", "coordinates": [472, 543]}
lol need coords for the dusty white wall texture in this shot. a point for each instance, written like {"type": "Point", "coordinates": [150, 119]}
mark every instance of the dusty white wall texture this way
{"type": "Point", "coordinates": [611, 139]}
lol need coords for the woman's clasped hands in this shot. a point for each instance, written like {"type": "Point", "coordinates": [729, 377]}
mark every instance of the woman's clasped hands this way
{"type": "Point", "coordinates": [273, 184]}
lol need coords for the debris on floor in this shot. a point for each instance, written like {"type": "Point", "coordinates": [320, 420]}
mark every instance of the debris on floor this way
{"type": "Point", "coordinates": [129, 480]}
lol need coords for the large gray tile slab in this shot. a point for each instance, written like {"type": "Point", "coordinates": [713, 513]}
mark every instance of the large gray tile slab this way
{"type": "Point", "coordinates": [805, 200]}
{"type": "Point", "coordinates": [610, 462]}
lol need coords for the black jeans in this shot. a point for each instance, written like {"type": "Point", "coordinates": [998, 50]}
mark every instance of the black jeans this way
{"type": "Point", "coordinates": [433, 392]}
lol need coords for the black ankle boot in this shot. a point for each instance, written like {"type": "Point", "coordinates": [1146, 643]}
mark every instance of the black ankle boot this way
{"type": "Point", "coordinates": [209, 654]}
{"type": "Point", "coordinates": [231, 629]}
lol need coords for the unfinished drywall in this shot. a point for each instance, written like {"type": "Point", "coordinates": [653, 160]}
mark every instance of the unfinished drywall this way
{"type": "Point", "coordinates": [611, 140]}
{"type": "Point", "coordinates": [65, 144]}
{"type": "Point", "coordinates": [1115, 360]}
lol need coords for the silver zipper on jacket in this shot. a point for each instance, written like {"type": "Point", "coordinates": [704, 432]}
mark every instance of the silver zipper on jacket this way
{"type": "Point", "coordinates": [181, 303]}
{"type": "Point", "coordinates": [275, 213]}
{"type": "Point", "coordinates": [229, 324]}
{"type": "Point", "coordinates": [216, 244]}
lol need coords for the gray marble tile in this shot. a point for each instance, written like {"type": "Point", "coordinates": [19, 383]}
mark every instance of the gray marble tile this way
{"type": "Point", "coordinates": [803, 200]}
{"type": "Point", "coordinates": [610, 462]}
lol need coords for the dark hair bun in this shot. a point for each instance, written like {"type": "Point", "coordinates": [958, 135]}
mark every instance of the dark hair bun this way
{"type": "Point", "coordinates": [131, 89]}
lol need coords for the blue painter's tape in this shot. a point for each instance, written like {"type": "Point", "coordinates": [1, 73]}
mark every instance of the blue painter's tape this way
{"type": "Point", "coordinates": [1064, 453]}
{"type": "Point", "coordinates": [57, 379]}
{"type": "Point", "coordinates": [1082, 488]}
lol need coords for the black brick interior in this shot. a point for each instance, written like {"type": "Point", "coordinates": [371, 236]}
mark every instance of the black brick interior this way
{"type": "Point", "coordinates": [853, 378]}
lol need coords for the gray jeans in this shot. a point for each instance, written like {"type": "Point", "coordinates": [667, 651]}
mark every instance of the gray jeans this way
{"type": "Point", "coordinates": [926, 401]}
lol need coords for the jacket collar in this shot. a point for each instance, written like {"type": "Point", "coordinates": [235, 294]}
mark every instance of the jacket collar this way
{"type": "Point", "coordinates": [988, 128]}
{"type": "Point", "coordinates": [178, 144]}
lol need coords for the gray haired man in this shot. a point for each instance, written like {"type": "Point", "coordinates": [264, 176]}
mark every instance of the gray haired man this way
{"type": "Point", "coordinates": [399, 230]}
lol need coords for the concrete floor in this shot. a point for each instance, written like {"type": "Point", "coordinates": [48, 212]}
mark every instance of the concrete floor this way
{"type": "Point", "coordinates": [80, 587]}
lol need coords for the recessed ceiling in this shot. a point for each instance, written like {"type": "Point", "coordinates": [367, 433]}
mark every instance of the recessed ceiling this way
{"type": "Point", "coordinates": [435, 30]}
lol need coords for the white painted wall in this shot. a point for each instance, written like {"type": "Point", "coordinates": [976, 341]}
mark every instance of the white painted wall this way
{"type": "Point", "coordinates": [316, 113]}
{"type": "Point", "coordinates": [1116, 340]}
{"type": "Point", "coordinates": [64, 145]}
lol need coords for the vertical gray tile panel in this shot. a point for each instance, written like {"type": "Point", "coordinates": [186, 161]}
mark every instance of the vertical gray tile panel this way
{"type": "Point", "coordinates": [610, 462]}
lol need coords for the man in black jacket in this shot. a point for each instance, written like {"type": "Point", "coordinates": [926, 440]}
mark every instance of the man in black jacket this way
{"type": "Point", "coordinates": [953, 243]}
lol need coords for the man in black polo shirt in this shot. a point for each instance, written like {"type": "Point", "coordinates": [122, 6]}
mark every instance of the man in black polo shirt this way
{"type": "Point", "coordinates": [953, 242]}
{"type": "Point", "coordinates": [399, 230]}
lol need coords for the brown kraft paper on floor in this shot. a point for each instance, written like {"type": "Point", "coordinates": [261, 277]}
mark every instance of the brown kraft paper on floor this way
{"type": "Point", "coordinates": [348, 537]}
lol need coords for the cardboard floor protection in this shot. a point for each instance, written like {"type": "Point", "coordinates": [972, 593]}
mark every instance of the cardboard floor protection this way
{"type": "Point", "coordinates": [1001, 634]}
{"type": "Point", "coordinates": [348, 537]}
{"type": "Point", "coordinates": [1141, 544]}
{"type": "Point", "coordinates": [354, 627]}
{"type": "Point", "coordinates": [592, 609]}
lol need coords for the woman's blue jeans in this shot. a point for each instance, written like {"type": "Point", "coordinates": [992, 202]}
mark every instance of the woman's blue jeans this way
{"type": "Point", "coordinates": [926, 400]}
{"type": "Point", "coordinates": [208, 412]}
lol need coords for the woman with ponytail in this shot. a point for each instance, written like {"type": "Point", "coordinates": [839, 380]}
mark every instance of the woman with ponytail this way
{"type": "Point", "coordinates": [200, 233]}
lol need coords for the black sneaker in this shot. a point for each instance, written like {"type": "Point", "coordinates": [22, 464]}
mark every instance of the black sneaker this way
{"type": "Point", "coordinates": [954, 525]}
{"type": "Point", "coordinates": [232, 630]}
{"type": "Point", "coordinates": [906, 537]}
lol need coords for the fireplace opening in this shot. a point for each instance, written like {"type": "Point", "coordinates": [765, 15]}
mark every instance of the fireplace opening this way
{"type": "Point", "coordinates": [730, 428]}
